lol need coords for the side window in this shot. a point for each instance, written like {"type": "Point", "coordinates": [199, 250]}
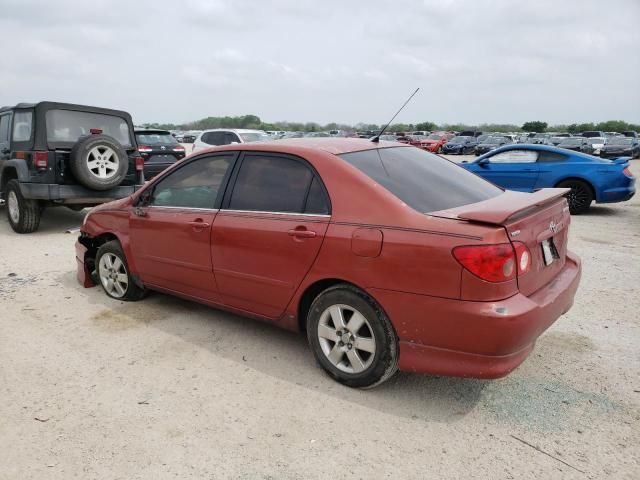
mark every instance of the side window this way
{"type": "Point", "coordinates": [548, 157]}
{"type": "Point", "coordinates": [230, 137]}
{"type": "Point", "coordinates": [196, 185]}
{"type": "Point", "coordinates": [515, 156]}
{"type": "Point", "coordinates": [271, 184]}
{"type": "Point", "coordinates": [213, 138]}
{"type": "Point", "coordinates": [22, 126]}
{"type": "Point", "coordinates": [4, 128]}
{"type": "Point", "coordinates": [317, 199]}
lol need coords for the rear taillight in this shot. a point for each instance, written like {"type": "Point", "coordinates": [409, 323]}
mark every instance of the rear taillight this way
{"type": "Point", "coordinates": [144, 149]}
{"type": "Point", "coordinates": [493, 263]}
{"type": "Point", "coordinates": [627, 172]}
{"type": "Point", "coordinates": [523, 257]}
{"type": "Point", "coordinates": [178, 148]}
{"type": "Point", "coordinates": [139, 164]}
{"type": "Point", "coordinates": [41, 160]}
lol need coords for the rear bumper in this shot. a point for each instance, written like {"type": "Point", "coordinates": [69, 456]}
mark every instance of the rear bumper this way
{"type": "Point", "coordinates": [476, 339]}
{"type": "Point", "coordinates": [74, 193]}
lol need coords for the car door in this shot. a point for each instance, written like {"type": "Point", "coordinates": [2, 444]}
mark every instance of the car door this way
{"type": "Point", "coordinates": [5, 148]}
{"type": "Point", "coordinates": [269, 232]}
{"type": "Point", "coordinates": [514, 169]}
{"type": "Point", "coordinates": [170, 229]}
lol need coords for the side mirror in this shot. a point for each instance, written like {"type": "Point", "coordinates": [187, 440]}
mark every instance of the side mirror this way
{"type": "Point", "coordinates": [483, 163]}
{"type": "Point", "coordinates": [144, 198]}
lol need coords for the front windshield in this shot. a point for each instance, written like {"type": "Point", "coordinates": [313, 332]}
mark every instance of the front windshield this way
{"type": "Point", "coordinates": [572, 141]}
{"type": "Point", "coordinates": [596, 140]}
{"type": "Point", "coordinates": [494, 140]}
{"type": "Point", "coordinates": [620, 141]}
{"type": "Point", "coordinates": [249, 137]}
{"type": "Point", "coordinates": [458, 140]}
{"type": "Point", "coordinates": [434, 137]}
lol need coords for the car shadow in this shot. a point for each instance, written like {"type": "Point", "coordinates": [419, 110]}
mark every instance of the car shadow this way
{"type": "Point", "coordinates": [54, 220]}
{"type": "Point", "coordinates": [283, 355]}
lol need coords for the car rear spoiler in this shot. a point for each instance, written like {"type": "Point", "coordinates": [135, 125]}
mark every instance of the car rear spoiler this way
{"type": "Point", "coordinates": [498, 210]}
{"type": "Point", "coordinates": [620, 160]}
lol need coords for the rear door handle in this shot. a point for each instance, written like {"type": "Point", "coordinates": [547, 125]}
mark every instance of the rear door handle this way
{"type": "Point", "coordinates": [302, 233]}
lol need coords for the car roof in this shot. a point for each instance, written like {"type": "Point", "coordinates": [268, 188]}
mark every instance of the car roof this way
{"type": "Point", "coordinates": [67, 106]}
{"type": "Point", "coordinates": [298, 146]}
{"type": "Point", "coordinates": [540, 147]}
{"type": "Point", "coordinates": [235, 130]}
{"type": "Point", "coordinates": [151, 130]}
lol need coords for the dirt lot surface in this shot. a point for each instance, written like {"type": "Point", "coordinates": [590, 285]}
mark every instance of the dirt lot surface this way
{"type": "Point", "coordinates": [95, 388]}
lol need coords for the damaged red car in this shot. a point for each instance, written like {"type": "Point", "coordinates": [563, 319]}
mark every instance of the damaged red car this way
{"type": "Point", "coordinates": [387, 256]}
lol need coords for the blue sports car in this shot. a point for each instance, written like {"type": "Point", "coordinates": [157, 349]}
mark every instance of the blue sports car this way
{"type": "Point", "coordinates": [529, 167]}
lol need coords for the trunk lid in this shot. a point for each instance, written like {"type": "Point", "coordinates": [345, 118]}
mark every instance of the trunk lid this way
{"type": "Point", "coordinates": [540, 220]}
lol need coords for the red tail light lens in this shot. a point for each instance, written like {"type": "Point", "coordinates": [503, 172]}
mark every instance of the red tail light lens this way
{"type": "Point", "coordinates": [41, 160]}
{"type": "Point", "coordinates": [139, 164]}
{"type": "Point", "coordinates": [627, 172]}
{"type": "Point", "coordinates": [493, 263]}
{"type": "Point", "coordinates": [95, 131]}
{"type": "Point", "coordinates": [178, 148]}
{"type": "Point", "coordinates": [523, 257]}
{"type": "Point", "coordinates": [144, 149]}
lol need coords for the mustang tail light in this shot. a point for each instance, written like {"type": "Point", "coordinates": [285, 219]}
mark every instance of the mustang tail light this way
{"type": "Point", "coordinates": [492, 263]}
{"type": "Point", "coordinates": [41, 160]}
{"type": "Point", "coordinates": [627, 172]}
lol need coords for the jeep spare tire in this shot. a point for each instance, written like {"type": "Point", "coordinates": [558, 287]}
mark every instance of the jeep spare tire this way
{"type": "Point", "coordinates": [99, 162]}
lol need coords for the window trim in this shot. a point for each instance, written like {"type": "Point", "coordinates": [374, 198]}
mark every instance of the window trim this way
{"type": "Point", "coordinates": [9, 115]}
{"type": "Point", "coordinates": [147, 194]}
{"type": "Point", "coordinates": [234, 177]}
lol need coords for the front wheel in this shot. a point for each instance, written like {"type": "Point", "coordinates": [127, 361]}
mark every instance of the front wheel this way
{"type": "Point", "coordinates": [580, 196]}
{"type": "Point", "coordinates": [351, 337]}
{"type": "Point", "coordinates": [113, 271]}
{"type": "Point", "coordinates": [23, 213]}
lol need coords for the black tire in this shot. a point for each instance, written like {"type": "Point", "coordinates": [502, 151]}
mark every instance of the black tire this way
{"type": "Point", "coordinates": [23, 213]}
{"type": "Point", "coordinates": [109, 162]}
{"type": "Point", "coordinates": [382, 364]}
{"type": "Point", "coordinates": [580, 196]}
{"type": "Point", "coordinates": [132, 292]}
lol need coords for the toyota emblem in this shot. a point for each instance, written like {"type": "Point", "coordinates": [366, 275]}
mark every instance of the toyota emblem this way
{"type": "Point", "coordinates": [163, 148]}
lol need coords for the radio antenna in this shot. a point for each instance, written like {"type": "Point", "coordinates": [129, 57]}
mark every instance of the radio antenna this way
{"type": "Point", "coordinates": [376, 139]}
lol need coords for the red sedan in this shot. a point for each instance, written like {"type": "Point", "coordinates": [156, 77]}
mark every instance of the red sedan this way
{"type": "Point", "coordinates": [432, 143]}
{"type": "Point", "coordinates": [386, 255]}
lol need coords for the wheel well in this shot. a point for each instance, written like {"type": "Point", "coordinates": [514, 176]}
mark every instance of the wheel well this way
{"type": "Point", "coordinates": [9, 173]}
{"type": "Point", "coordinates": [310, 295]}
{"type": "Point", "coordinates": [587, 182]}
{"type": "Point", "coordinates": [92, 244]}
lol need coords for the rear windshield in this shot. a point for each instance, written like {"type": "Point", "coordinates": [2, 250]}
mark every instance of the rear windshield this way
{"type": "Point", "coordinates": [249, 137]}
{"type": "Point", "coordinates": [69, 125]}
{"type": "Point", "coordinates": [620, 141]}
{"type": "Point", "coordinates": [573, 141]}
{"type": "Point", "coordinates": [424, 181]}
{"type": "Point", "coordinates": [157, 138]}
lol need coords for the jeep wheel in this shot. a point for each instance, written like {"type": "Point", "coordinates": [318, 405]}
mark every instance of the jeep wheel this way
{"type": "Point", "coordinates": [23, 213]}
{"type": "Point", "coordinates": [99, 162]}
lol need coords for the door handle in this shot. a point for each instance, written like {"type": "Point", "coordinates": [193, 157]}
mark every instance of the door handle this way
{"type": "Point", "coordinates": [199, 224]}
{"type": "Point", "coordinates": [300, 233]}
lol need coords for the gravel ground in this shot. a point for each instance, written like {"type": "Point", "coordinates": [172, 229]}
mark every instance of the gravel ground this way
{"type": "Point", "coordinates": [164, 388]}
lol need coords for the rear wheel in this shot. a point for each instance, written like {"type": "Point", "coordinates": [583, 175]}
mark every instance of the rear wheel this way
{"type": "Point", "coordinates": [351, 337]}
{"type": "Point", "coordinates": [580, 196]}
{"type": "Point", "coordinates": [23, 213]}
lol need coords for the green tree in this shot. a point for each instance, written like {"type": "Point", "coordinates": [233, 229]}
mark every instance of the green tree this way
{"type": "Point", "coordinates": [428, 126]}
{"type": "Point", "coordinates": [535, 126]}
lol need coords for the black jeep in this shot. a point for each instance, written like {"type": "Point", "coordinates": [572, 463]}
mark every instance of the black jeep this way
{"type": "Point", "coordinates": [62, 154]}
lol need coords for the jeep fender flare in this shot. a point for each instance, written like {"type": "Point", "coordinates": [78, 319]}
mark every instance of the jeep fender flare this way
{"type": "Point", "coordinates": [18, 167]}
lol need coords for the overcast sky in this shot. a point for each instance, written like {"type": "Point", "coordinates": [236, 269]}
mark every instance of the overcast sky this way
{"type": "Point", "coordinates": [346, 61]}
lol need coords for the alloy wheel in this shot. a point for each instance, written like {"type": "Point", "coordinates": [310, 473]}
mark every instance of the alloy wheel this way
{"type": "Point", "coordinates": [113, 275]}
{"type": "Point", "coordinates": [346, 338]}
{"type": "Point", "coordinates": [13, 206]}
{"type": "Point", "coordinates": [103, 162]}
